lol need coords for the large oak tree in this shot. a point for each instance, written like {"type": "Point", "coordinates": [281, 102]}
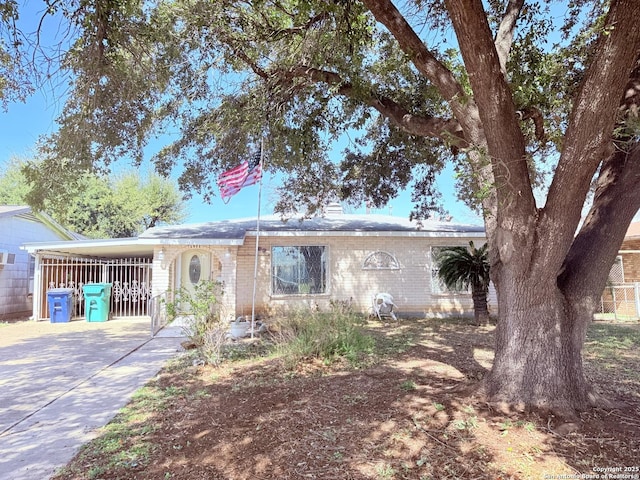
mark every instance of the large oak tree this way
{"type": "Point", "coordinates": [507, 90]}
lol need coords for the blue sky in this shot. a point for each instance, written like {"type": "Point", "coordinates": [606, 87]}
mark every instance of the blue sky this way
{"type": "Point", "coordinates": [25, 123]}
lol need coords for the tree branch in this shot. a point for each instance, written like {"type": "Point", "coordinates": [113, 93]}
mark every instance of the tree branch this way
{"type": "Point", "coordinates": [504, 37]}
{"type": "Point", "coordinates": [616, 201]}
{"type": "Point", "coordinates": [588, 139]}
{"type": "Point", "coordinates": [448, 130]}
{"type": "Point", "coordinates": [505, 142]}
{"type": "Point", "coordinates": [464, 108]}
{"type": "Point", "coordinates": [630, 104]}
{"type": "Point", "coordinates": [386, 13]}
{"type": "Point", "coordinates": [250, 63]}
{"type": "Point", "coordinates": [534, 114]}
{"type": "Point", "coordinates": [279, 33]}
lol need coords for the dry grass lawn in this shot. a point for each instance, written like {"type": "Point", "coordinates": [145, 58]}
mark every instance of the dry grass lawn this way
{"type": "Point", "coordinates": [398, 414]}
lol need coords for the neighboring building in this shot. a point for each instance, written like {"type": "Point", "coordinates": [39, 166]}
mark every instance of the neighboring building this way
{"type": "Point", "coordinates": [19, 224]}
{"type": "Point", "coordinates": [630, 255]}
{"type": "Point", "coordinates": [621, 297]}
{"type": "Point", "coordinates": [300, 263]}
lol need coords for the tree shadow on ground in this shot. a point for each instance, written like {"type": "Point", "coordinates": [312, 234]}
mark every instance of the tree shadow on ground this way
{"type": "Point", "coordinates": [401, 416]}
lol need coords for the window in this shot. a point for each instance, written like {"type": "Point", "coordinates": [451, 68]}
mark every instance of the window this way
{"type": "Point", "coordinates": [616, 274]}
{"type": "Point", "coordinates": [437, 285]}
{"type": "Point", "coordinates": [380, 261]}
{"type": "Point", "coordinates": [195, 269]}
{"type": "Point", "coordinates": [298, 270]}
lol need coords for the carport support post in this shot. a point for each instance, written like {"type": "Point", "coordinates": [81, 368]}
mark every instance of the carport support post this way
{"type": "Point", "coordinates": [37, 288]}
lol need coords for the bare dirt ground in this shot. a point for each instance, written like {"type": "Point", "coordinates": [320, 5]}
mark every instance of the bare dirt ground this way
{"type": "Point", "coordinates": [400, 414]}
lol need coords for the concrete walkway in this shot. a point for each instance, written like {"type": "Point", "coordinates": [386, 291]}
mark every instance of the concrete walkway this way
{"type": "Point", "coordinates": [59, 383]}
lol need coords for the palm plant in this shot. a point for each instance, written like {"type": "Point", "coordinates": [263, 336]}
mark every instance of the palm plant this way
{"type": "Point", "coordinates": [460, 268]}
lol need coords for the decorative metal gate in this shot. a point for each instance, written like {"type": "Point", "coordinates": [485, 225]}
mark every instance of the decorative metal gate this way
{"type": "Point", "coordinates": [130, 280]}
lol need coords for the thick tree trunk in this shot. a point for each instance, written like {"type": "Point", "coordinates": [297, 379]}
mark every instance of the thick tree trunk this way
{"type": "Point", "coordinates": [544, 314]}
{"type": "Point", "coordinates": [546, 285]}
{"type": "Point", "coordinates": [538, 359]}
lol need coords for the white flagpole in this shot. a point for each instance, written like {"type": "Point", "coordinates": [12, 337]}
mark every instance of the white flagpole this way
{"type": "Point", "coordinates": [255, 266]}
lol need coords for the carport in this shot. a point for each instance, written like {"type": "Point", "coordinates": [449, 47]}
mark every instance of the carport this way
{"type": "Point", "coordinates": [143, 271]}
{"type": "Point", "coordinates": [130, 280]}
{"type": "Point", "coordinates": [127, 264]}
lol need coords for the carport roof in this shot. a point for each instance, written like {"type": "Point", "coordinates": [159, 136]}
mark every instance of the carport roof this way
{"type": "Point", "coordinates": [233, 232]}
{"type": "Point", "coordinates": [111, 248]}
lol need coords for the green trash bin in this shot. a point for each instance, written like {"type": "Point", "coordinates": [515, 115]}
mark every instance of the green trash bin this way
{"type": "Point", "coordinates": [96, 301]}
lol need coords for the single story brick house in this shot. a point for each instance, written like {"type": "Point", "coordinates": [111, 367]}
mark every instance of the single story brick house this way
{"type": "Point", "coordinates": [299, 263]}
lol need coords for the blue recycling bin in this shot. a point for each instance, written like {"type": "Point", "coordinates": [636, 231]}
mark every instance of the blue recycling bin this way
{"type": "Point", "coordinates": [96, 301]}
{"type": "Point", "coordinates": [60, 302]}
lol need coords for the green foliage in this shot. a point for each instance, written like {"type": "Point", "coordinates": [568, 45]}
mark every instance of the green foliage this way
{"type": "Point", "coordinates": [613, 349]}
{"type": "Point", "coordinates": [204, 317]}
{"type": "Point", "coordinates": [307, 334]}
{"type": "Point", "coordinates": [15, 71]}
{"type": "Point", "coordinates": [13, 185]}
{"type": "Point", "coordinates": [408, 386]}
{"type": "Point", "coordinates": [97, 206]}
{"type": "Point", "coordinates": [138, 68]}
{"type": "Point", "coordinates": [301, 74]}
{"type": "Point", "coordinates": [461, 267]}
{"type": "Point", "coordinates": [126, 442]}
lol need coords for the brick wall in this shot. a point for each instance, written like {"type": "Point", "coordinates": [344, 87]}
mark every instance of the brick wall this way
{"type": "Point", "coordinates": [167, 272]}
{"type": "Point", "coordinates": [410, 285]}
{"type": "Point", "coordinates": [631, 261]}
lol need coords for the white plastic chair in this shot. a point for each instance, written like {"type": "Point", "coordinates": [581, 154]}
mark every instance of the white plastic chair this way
{"type": "Point", "coordinates": [383, 306]}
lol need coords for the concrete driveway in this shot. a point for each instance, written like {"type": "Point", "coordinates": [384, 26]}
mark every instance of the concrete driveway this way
{"type": "Point", "coordinates": [61, 382]}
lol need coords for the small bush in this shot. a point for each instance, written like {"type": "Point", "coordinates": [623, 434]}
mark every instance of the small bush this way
{"type": "Point", "coordinates": [204, 324]}
{"type": "Point", "coordinates": [308, 334]}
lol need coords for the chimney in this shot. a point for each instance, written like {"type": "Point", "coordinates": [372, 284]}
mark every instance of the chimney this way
{"type": "Point", "coordinates": [334, 208]}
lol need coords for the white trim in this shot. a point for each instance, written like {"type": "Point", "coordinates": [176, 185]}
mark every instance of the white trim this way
{"type": "Point", "coordinates": [67, 246]}
{"type": "Point", "coordinates": [32, 247]}
{"type": "Point", "coordinates": [192, 242]}
{"type": "Point", "coordinates": [342, 233]}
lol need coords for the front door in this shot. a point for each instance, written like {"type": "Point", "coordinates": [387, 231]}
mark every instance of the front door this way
{"type": "Point", "coordinates": [195, 267]}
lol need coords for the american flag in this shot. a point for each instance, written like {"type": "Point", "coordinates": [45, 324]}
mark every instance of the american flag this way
{"type": "Point", "coordinates": [243, 175]}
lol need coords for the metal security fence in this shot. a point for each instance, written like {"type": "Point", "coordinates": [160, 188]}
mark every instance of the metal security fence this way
{"type": "Point", "coordinates": [158, 312]}
{"type": "Point", "coordinates": [130, 281]}
{"type": "Point", "coordinates": [621, 302]}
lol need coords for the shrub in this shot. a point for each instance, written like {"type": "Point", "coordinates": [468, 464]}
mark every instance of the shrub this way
{"type": "Point", "coordinates": [305, 334]}
{"type": "Point", "coordinates": [202, 311]}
